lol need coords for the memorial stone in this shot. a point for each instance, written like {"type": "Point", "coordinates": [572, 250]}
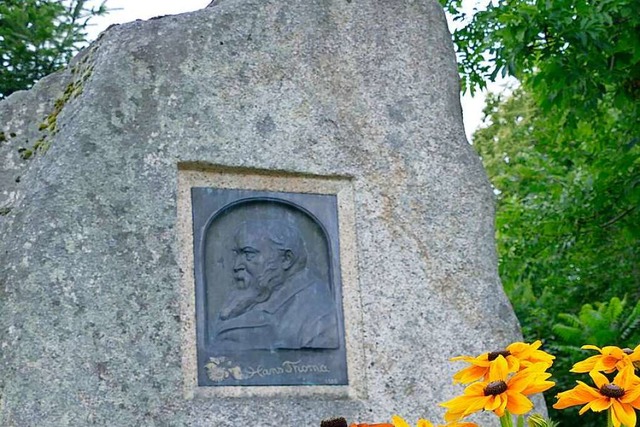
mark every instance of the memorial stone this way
{"type": "Point", "coordinates": [261, 213]}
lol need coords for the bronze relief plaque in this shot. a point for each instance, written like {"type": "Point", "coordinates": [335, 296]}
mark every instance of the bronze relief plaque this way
{"type": "Point", "coordinates": [268, 288]}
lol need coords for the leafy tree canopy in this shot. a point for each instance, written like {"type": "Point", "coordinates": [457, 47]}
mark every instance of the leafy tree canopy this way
{"type": "Point", "coordinates": [568, 223]}
{"type": "Point", "coordinates": [37, 37]}
{"type": "Point", "coordinates": [566, 50]}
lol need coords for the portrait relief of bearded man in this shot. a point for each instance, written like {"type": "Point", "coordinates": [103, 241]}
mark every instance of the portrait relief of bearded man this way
{"type": "Point", "coordinates": [277, 301]}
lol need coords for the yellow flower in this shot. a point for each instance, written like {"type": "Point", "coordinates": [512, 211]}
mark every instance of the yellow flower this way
{"type": "Point", "coordinates": [500, 392]}
{"type": "Point", "coordinates": [609, 360]}
{"type": "Point", "coordinates": [518, 355]}
{"type": "Point", "coordinates": [622, 396]}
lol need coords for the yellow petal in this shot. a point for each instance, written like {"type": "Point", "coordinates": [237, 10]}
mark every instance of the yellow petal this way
{"type": "Point", "coordinates": [499, 369]}
{"type": "Point", "coordinates": [585, 365]}
{"type": "Point", "coordinates": [634, 402]}
{"type": "Point", "coordinates": [584, 409]}
{"type": "Point", "coordinates": [613, 351]}
{"type": "Point", "coordinates": [631, 395]}
{"type": "Point", "coordinates": [590, 347]}
{"type": "Point", "coordinates": [470, 374]}
{"type": "Point", "coordinates": [503, 405]}
{"type": "Point", "coordinates": [606, 363]}
{"type": "Point", "coordinates": [624, 413]}
{"type": "Point", "coordinates": [399, 422]}
{"type": "Point", "coordinates": [482, 360]}
{"type": "Point", "coordinates": [424, 423]}
{"type": "Point", "coordinates": [596, 405]}
{"type": "Point", "coordinates": [475, 389]}
{"type": "Point", "coordinates": [626, 378]}
{"type": "Point", "coordinates": [537, 387]}
{"type": "Point", "coordinates": [519, 349]}
{"type": "Point", "coordinates": [452, 416]}
{"type": "Point", "coordinates": [599, 379]}
{"type": "Point", "coordinates": [493, 403]}
{"type": "Point", "coordinates": [513, 364]}
{"type": "Point", "coordinates": [467, 359]}
{"type": "Point", "coordinates": [579, 395]}
{"type": "Point", "coordinates": [518, 404]}
{"type": "Point", "coordinates": [477, 404]}
{"type": "Point", "coordinates": [601, 404]}
{"type": "Point", "coordinates": [459, 403]}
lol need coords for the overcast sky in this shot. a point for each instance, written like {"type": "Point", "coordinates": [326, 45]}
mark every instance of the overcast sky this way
{"type": "Point", "coordinates": [130, 10]}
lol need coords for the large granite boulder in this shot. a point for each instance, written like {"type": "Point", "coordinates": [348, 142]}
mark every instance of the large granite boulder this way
{"type": "Point", "coordinates": [94, 316]}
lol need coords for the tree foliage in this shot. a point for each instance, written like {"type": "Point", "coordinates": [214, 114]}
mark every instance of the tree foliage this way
{"type": "Point", "coordinates": [568, 223]}
{"type": "Point", "coordinates": [563, 154]}
{"type": "Point", "coordinates": [37, 37]}
{"type": "Point", "coordinates": [565, 49]}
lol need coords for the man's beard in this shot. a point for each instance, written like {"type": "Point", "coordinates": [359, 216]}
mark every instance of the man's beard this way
{"type": "Point", "coordinates": [252, 290]}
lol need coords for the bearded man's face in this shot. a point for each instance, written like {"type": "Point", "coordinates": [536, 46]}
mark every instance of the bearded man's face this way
{"type": "Point", "coordinates": [257, 264]}
{"type": "Point", "coordinates": [257, 271]}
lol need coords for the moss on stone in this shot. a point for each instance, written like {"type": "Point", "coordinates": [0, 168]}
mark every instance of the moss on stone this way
{"type": "Point", "coordinates": [81, 73]}
{"type": "Point", "coordinates": [25, 153]}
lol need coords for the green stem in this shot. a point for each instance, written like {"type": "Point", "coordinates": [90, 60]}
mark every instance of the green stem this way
{"type": "Point", "coordinates": [520, 422]}
{"type": "Point", "coordinates": [609, 418]}
{"type": "Point", "coordinates": [505, 420]}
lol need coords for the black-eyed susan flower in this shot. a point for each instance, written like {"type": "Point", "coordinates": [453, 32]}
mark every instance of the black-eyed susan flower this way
{"type": "Point", "coordinates": [610, 359]}
{"type": "Point", "coordinates": [518, 355]}
{"type": "Point", "coordinates": [621, 397]}
{"type": "Point", "coordinates": [501, 392]}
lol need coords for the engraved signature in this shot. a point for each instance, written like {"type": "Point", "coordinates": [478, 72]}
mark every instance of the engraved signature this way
{"type": "Point", "coordinates": [287, 367]}
{"type": "Point", "coordinates": [221, 368]}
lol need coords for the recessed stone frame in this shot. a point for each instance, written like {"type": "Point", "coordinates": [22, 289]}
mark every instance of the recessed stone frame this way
{"type": "Point", "coordinates": [194, 175]}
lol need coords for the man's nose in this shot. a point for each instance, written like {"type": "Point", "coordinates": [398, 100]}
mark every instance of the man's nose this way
{"type": "Point", "coordinates": [238, 264]}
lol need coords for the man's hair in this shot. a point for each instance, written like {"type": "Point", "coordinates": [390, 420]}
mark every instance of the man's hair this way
{"type": "Point", "coordinates": [284, 237]}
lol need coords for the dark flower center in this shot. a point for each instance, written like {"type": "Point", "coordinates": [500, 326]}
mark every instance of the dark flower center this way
{"type": "Point", "coordinates": [494, 354]}
{"type": "Point", "coordinates": [627, 351]}
{"type": "Point", "coordinates": [334, 422]}
{"type": "Point", "coordinates": [494, 388]}
{"type": "Point", "coordinates": [611, 390]}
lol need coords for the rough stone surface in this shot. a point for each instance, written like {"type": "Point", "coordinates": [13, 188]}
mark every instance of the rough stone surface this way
{"type": "Point", "coordinates": [89, 283]}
